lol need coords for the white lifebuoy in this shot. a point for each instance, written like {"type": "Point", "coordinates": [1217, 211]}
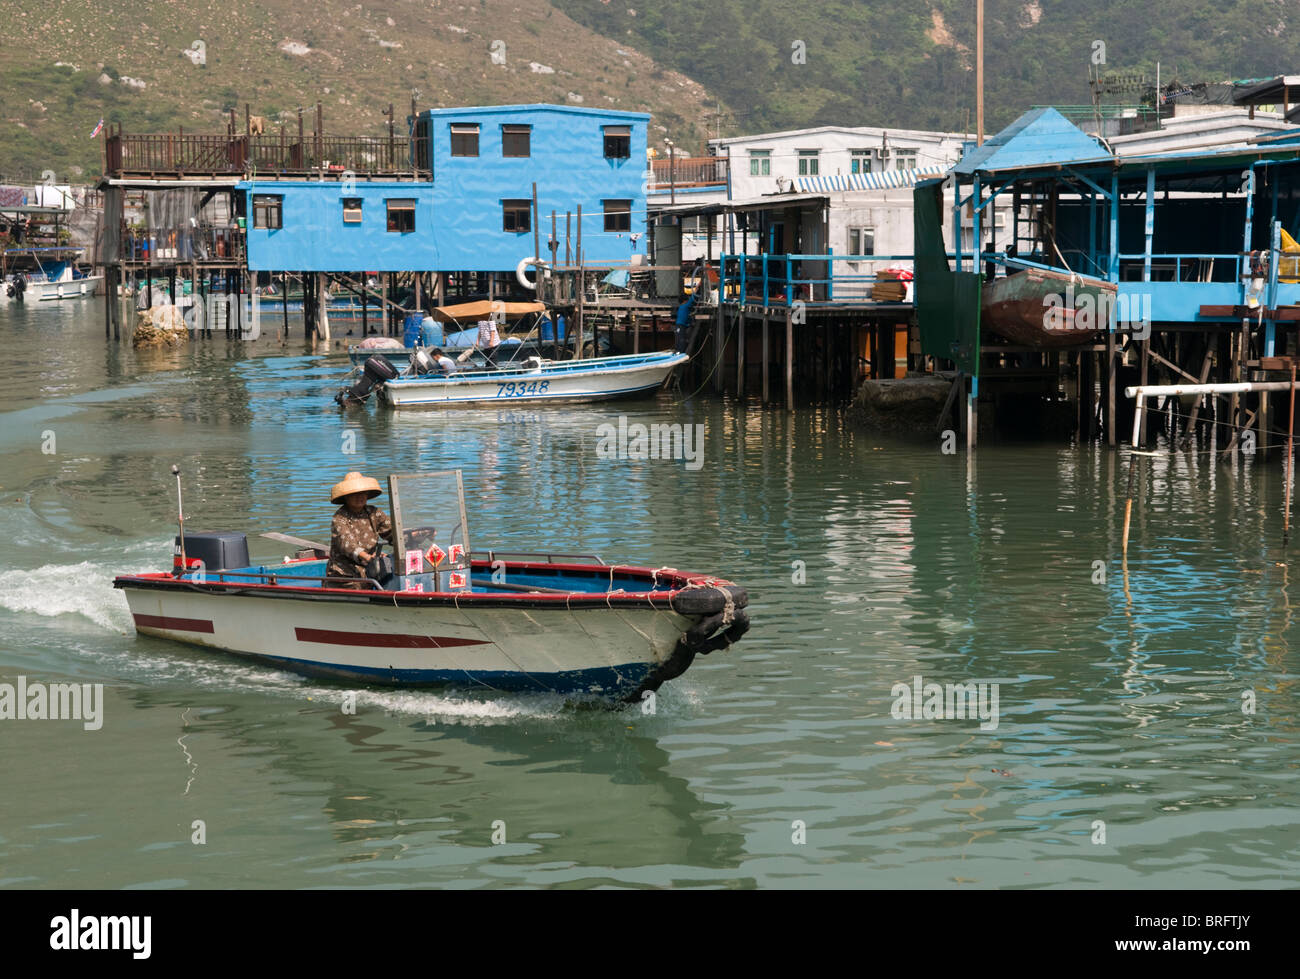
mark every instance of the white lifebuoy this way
{"type": "Point", "coordinates": [521, 271]}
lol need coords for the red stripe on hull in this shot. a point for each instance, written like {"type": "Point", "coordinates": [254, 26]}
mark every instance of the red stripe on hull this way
{"type": "Point", "coordinates": [169, 622]}
{"type": "Point", "coordinates": [387, 640]}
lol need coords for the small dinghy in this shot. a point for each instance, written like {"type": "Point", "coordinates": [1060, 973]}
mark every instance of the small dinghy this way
{"type": "Point", "coordinates": [436, 612]}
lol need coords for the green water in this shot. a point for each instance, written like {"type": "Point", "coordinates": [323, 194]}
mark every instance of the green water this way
{"type": "Point", "coordinates": [776, 763]}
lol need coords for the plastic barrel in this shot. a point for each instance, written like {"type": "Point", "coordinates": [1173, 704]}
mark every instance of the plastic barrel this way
{"type": "Point", "coordinates": [547, 330]}
{"type": "Point", "coordinates": [430, 332]}
{"type": "Point", "coordinates": [411, 330]}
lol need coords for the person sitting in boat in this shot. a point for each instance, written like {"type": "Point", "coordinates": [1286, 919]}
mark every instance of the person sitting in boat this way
{"type": "Point", "coordinates": [445, 364]}
{"type": "Point", "coordinates": [357, 528]}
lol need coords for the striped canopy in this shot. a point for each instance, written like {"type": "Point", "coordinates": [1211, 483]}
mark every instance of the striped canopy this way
{"type": "Point", "coordinates": [880, 180]}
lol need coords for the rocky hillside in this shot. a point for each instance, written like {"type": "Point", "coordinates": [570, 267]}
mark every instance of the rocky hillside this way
{"type": "Point", "coordinates": [185, 63]}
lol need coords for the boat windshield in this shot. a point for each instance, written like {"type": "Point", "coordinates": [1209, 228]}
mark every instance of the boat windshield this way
{"type": "Point", "coordinates": [429, 522]}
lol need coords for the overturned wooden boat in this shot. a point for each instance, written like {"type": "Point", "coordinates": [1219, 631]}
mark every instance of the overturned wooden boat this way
{"type": "Point", "coordinates": [1047, 309]}
{"type": "Point", "coordinates": [513, 622]}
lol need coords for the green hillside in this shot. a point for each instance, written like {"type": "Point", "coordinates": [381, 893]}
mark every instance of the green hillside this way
{"type": "Point", "coordinates": [701, 66]}
{"type": "Point", "coordinates": [869, 62]}
{"type": "Point", "coordinates": [64, 64]}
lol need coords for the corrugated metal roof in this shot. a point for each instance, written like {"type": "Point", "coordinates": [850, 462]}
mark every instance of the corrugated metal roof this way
{"type": "Point", "coordinates": [1040, 137]}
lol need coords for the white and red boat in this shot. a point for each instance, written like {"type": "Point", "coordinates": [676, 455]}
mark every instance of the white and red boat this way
{"type": "Point", "coordinates": [543, 622]}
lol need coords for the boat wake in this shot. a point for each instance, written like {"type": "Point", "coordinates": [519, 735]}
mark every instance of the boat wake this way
{"type": "Point", "coordinates": [84, 589]}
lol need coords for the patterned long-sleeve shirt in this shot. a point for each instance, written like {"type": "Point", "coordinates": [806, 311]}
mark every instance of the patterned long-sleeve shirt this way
{"type": "Point", "coordinates": [353, 533]}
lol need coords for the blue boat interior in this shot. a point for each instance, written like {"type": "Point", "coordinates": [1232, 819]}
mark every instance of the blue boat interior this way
{"type": "Point", "coordinates": [309, 574]}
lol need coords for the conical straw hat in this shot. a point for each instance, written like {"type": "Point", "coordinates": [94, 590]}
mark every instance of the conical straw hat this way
{"type": "Point", "coordinates": [355, 483]}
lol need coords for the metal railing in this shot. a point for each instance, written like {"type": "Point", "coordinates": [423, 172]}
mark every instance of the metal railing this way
{"type": "Point", "coordinates": [271, 153]}
{"type": "Point", "coordinates": [782, 280]}
{"type": "Point", "coordinates": [689, 171]}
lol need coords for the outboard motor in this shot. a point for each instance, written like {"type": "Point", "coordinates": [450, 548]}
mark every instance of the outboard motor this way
{"type": "Point", "coordinates": [17, 286]}
{"type": "Point", "coordinates": [211, 551]}
{"type": "Point", "coordinates": [422, 363]}
{"type": "Point", "coordinates": [376, 370]}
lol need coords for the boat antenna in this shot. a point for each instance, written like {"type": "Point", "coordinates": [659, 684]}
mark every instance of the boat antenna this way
{"type": "Point", "coordinates": [180, 520]}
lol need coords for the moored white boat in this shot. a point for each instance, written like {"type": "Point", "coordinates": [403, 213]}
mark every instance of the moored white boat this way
{"type": "Point", "coordinates": [593, 379]}
{"type": "Point", "coordinates": [38, 288]}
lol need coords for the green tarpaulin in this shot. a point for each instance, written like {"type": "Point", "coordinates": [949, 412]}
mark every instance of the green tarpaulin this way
{"type": "Point", "coordinates": [947, 302]}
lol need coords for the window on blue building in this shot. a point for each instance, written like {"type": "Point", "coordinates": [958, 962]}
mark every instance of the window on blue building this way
{"type": "Point", "coordinates": [618, 142]}
{"type": "Point", "coordinates": [352, 210]}
{"type": "Point", "coordinates": [268, 211]}
{"type": "Point", "coordinates": [464, 139]}
{"type": "Point", "coordinates": [618, 215]}
{"type": "Point", "coordinates": [401, 215]}
{"type": "Point", "coordinates": [516, 215]}
{"type": "Point", "coordinates": [515, 140]}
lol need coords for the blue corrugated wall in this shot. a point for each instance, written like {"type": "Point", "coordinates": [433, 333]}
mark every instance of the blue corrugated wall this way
{"type": "Point", "coordinates": [459, 221]}
{"type": "Point", "coordinates": [315, 239]}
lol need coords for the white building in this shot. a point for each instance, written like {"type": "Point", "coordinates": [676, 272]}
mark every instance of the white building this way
{"type": "Point", "coordinates": [1224, 127]}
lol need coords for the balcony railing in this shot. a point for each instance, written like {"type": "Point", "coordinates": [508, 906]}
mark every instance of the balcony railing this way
{"type": "Point", "coordinates": [813, 280]}
{"type": "Point", "coordinates": [689, 171]}
{"type": "Point", "coordinates": [190, 153]}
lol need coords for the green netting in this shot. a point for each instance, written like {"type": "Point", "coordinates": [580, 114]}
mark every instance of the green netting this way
{"type": "Point", "coordinates": [947, 302]}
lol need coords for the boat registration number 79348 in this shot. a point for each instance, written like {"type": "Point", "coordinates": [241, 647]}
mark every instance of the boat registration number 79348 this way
{"type": "Point", "coordinates": [521, 389]}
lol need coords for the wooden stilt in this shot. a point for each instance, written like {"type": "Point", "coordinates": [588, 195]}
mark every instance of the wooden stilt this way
{"type": "Point", "coordinates": [767, 369]}
{"type": "Point", "coordinates": [1196, 407]}
{"type": "Point", "coordinates": [740, 353]}
{"type": "Point", "coordinates": [789, 361]}
{"type": "Point", "coordinates": [1290, 435]}
{"type": "Point", "coordinates": [717, 352]}
{"type": "Point", "coordinates": [1146, 358]}
{"type": "Point", "coordinates": [1110, 388]}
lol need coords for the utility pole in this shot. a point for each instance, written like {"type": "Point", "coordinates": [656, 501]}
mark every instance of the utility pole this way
{"type": "Point", "coordinates": [979, 72]}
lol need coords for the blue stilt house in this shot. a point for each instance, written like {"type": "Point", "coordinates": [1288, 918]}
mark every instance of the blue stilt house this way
{"type": "Point", "coordinates": [468, 206]}
{"type": "Point", "coordinates": [1191, 241]}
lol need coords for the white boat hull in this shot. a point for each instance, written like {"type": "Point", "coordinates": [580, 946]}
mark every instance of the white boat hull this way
{"type": "Point", "coordinates": [66, 289]}
{"type": "Point", "coordinates": [594, 380]}
{"type": "Point", "coordinates": [595, 649]}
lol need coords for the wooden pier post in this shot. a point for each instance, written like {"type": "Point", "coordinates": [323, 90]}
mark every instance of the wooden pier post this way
{"type": "Point", "coordinates": [1146, 359]}
{"type": "Point", "coordinates": [717, 349]}
{"type": "Point", "coordinates": [577, 350]}
{"type": "Point", "coordinates": [767, 371]}
{"type": "Point", "coordinates": [537, 236]}
{"type": "Point", "coordinates": [740, 353]}
{"type": "Point", "coordinates": [789, 361]}
{"type": "Point", "coordinates": [1110, 388]}
{"type": "Point", "coordinates": [1290, 435]}
{"type": "Point", "coordinates": [109, 293]}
